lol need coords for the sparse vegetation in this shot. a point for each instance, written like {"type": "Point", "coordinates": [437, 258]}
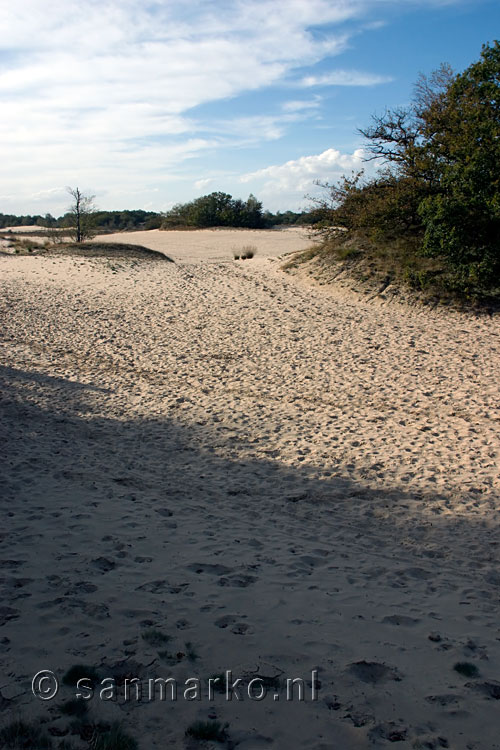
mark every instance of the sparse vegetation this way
{"type": "Point", "coordinates": [245, 253]}
{"type": "Point", "coordinates": [171, 658]}
{"type": "Point", "coordinates": [248, 251]}
{"type": "Point", "coordinates": [109, 250]}
{"type": "Point", "coordinates": [20, 734]}
{"type": "Point", "coordinates": [115, 738]}
{"type": "Point", "coordinates": [208, 730]}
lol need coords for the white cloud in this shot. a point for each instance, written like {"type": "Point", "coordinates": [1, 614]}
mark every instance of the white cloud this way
{"type": "Point", "coordinates": [301, 105]}
{"type": "Point", "coordinates": [344, 78]}
{"type": "Point", "coordinates": [295, 179]}
{"type": "Point", "coordinates": [204, 183]}
{"type": "Point", "coordinates": [94, 87]}
{"type": "Point", "coordinates": [103, 91]}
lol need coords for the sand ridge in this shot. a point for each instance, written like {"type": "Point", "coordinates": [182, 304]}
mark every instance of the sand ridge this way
{"type": "Point", "coordinates": [283, 477]}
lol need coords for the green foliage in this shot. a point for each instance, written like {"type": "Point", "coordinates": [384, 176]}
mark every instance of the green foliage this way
{"type": "Point", "coordinates": [441, 181]}
{"type": "Point", "coordinates": [462, 217]}
{"type": "Point", "coordinates": [119, 221]}
{"type": "Point", "coordinates": [216, 210]}
{"type": "Point", "coordinates": [102, 221]}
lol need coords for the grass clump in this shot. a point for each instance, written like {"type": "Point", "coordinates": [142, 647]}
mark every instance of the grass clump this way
{"type": "Point", "coordinates": [21, 734]}
{"type": "Point", "coordinates": [248, 251]}
{"type": "Point", "coordinates": [208, 730]}
{"type": "Point", "coordinates": [115, 738]}
{"type": "Point", "coordinates": [466, 669]}
{"type": "Point", "coordinates": [170, 658]}
{"type": "Point", "coordinates": [245, 253]}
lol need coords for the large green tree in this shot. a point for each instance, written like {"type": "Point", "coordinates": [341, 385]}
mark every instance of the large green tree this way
{"type": "Point", "coordinates": [462, 214]}
{"type": "Point", "coordinates": [441, 175]}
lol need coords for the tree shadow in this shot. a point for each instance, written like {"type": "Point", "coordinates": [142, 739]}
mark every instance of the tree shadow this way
{"type": "Point", "coordinates": [119, 524]}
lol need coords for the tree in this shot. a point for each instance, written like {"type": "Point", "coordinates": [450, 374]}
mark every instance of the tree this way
{"type": "Point", "coordinates": [81, 215]}
{"type": "Point", "coordinates": [462, 216]}
{"type": "Point", "coordinates": [216, 210]}
{"type": "Point", "coordinates": [441, 177]}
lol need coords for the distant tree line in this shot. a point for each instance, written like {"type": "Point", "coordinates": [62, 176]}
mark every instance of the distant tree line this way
{"type": "Point", "coordinates": [437, 196]}
{"type": "Point", "coordinates": [203, 212]}
{"type": "Point", "coordinates": [104, 221]}
{"type": "Point", "coordinates": [222, 210]}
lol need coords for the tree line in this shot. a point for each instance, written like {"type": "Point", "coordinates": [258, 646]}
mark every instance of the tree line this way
{"type": "Point", "coordinates": [220, 209]}
{"type": "Point", "coordinates": [114, 221]}
{"type": "Point", "coordinates": [207, 211]}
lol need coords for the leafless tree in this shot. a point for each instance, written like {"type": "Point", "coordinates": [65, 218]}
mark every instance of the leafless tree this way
{"type": "Point", "coordinates": [81, 213]}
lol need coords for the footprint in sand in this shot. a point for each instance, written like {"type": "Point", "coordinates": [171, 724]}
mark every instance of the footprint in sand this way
{"type": "Point", "coordinates": [240, 581]}
{"type": "Point", "coordinates": [373, 672]}
{"type": "Point", "coordinates": [7, 614]}
{"type": "Point", "coordinates": [400, 620]}
{"type": "Point", "coordinates": [217, 570]}
{"type": "Point", "coordinates": [103, 564]}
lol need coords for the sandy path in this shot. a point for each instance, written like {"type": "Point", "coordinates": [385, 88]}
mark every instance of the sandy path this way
{"type": "Point", "coordinates": [284, 478]}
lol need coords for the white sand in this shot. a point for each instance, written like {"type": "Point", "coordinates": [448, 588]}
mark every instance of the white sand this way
{"type": "Point", "coordinates": [287, 478]}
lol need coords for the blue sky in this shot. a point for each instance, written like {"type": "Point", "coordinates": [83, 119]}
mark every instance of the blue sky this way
{"type": "Point", "coordinates": [147, 104]}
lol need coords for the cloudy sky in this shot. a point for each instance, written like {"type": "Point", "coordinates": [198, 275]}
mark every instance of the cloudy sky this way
{"type": "Point", "coordinates": [146, 103]}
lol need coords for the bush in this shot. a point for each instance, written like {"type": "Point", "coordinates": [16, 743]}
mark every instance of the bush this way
{"type": "Point", "coordinates": [439, 189]}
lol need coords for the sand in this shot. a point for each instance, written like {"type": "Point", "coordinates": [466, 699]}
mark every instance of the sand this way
{"type": "Point", "coordinates": [277, 478]}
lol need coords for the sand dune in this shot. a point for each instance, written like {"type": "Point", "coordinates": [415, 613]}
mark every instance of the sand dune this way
{"type": "Point", "coordinates": [210, 466]}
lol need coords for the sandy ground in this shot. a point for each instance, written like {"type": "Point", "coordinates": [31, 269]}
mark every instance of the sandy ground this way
{"type": "Point", "coordinates": [278, 479]}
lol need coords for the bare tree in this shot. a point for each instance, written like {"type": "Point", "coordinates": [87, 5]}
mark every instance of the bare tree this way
{"type": "Point", "coordinates": [81, 214]}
